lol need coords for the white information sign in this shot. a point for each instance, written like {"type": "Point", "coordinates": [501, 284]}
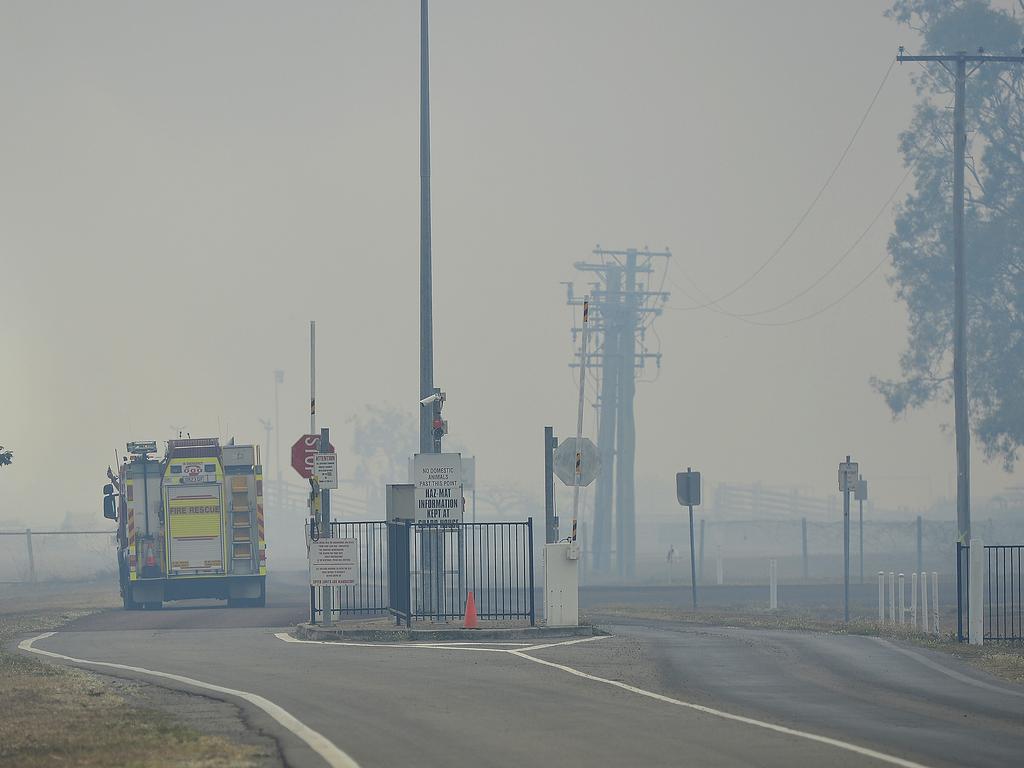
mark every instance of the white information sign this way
{"type": "Point", "coordinates": [325, 467]}
{"type": "Point", "coordinates": [437, 478]}
{"type": "Point", "coordinates": [849, 472]}
{"type": "Point", "coordinates": [334, 562]}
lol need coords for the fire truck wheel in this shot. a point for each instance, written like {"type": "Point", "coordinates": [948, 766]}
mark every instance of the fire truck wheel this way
{"type": "Point", "coordinates": [129, 604]}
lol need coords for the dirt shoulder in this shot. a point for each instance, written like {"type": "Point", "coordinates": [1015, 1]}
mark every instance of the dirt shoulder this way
{"type": "Point", "coordinates": [52, 714]}
{"type": "Point", "coordinates": [1001, 660]}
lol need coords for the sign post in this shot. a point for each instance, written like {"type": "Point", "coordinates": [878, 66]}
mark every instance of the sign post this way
{"type": "Point", "coordinates": [849, 474]}
{"type": "Point", "coordinates": [688, 495]}
{"type": "Point", "coordinates": [861, 495]}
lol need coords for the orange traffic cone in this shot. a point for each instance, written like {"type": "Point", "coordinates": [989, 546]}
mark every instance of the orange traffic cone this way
{"type": "Point", "coordinates": [470, 622]}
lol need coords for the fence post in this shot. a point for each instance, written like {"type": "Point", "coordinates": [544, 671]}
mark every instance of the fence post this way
{"type": "Point", "coordinates": [976, 592]}
{"type": "Point", "coordinates": [803, 543]}
{"type": "Point", "coordinates": [902, 613]}
{"type": "Point", "coordinates": [892, 597]}
{"type": "Point", "coordinates": [773, 584]}
{"type": "Point", "coordinates": [924, 602]}
{"type": "Point", "coordinates": [959, 592]}
{"type": "Point", "coordinates": [533, 607]}
{"type": "Point", "coordinates": [31, 557]}
{"type": "Point", "coordinates": [921, 558]}
{"type": "Point", "coordinates": [881, 597]}
{"type": "Point", "coordinates": [700, 566]}
{"type": "Point", "coordinates": [913, 600]}
{"type": "Point", "coordinates": [935, 602]}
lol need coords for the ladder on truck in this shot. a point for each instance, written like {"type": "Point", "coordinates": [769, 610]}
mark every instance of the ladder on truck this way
{"type": "Point", "coordinates": [243, 542]}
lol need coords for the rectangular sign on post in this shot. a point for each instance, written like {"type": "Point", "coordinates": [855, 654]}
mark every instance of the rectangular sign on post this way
{"type": "Point", "coordinates": [688, 488]}
{"type": "Point", "coordinates": [437, 478]}
{"type": "Point", "coordinates": [849, 472]}
{"type": "Point", "coordinates": [325, 467]}
{"type": "Point", "coordinates": [334, 562]}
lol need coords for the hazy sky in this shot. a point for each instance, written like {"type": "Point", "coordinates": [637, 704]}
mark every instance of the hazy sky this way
{"type": "Point", "coordinates": [183, 186]}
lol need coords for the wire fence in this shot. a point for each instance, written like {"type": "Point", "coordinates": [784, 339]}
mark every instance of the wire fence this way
{"type": "Point", "coordinates": [28, 556]}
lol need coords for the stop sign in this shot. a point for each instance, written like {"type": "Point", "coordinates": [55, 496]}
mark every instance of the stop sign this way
{"type": "Point", "coordinates": [305, 448]}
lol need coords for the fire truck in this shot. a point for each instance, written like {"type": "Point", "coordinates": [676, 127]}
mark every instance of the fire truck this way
{"type": "Point", "coordinates": [189, 525]}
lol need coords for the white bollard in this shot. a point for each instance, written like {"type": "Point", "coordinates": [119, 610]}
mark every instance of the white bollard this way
{"type": "Point", "coordinates": [892, 598]}
{"type": "Point", "coordinates": [881, 597]}
{"type": "Point", "coordinates": [718, 574]}
{"type": "Point", "coordinates": [935, 602]}
{"type": "Point", "coordinates": [976, 593]}
{"type": "Point", "coordinates": [902, 602]}
{"type": "Point", "coordinates": [924, 602]}
{"type": "Point", "coordinates": [913, 600]}
{"type": "Point", "coordinates": [773, 585]}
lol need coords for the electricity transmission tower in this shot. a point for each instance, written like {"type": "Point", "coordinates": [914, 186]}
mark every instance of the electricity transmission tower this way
{"type": "Point", "coordinates": [623, 308]}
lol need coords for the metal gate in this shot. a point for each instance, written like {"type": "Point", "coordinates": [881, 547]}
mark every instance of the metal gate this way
{"type": "Point", "coordinates": [435, 567]}
{"type": "Point", "coordinates": [425, 571]}
{"type": "Point", "coordinates": [370, 595]}
{"type": "Point", "coordinates": [1003, 590]}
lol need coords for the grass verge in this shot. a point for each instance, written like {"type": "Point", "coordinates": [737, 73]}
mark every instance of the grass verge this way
{"type": "Point", "coordinates": [55, 715]}
{"type": "Point", "coordinates": [1001, 660]}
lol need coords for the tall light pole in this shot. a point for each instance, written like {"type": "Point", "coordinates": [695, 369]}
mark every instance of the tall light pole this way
{"type": "Point", "coordinates": [426, 296]}
{"type": "Point", "coordinates": [278, 380]}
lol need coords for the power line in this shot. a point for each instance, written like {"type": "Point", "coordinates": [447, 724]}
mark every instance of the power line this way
{"type": "Point", "coordinates": [744, 316]}
{"type": "Point", "coordinates": [835, 265]}
{"type": "Point", "coordinates": [803, 217]}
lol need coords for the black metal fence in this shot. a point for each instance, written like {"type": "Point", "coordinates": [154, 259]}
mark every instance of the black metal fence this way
{"type": "Point", "coordinates": [424, 571]}
{"type": "Point", "coordinates": [494, 561]}
{"type": "Point", "coordinates": [1004, 592]}
{"type": "Point", "coordinates": [370, 595]}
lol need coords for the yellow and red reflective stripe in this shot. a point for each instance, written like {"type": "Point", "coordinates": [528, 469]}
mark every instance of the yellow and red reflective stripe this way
{"type": "Point", "coordinates": [260, 531]}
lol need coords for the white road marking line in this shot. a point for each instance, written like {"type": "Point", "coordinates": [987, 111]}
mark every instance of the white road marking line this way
{"type": "Point", "coordinates": [891, 759]}
{"type": "Point", "coordinates": [319, 743]}
{"type": "Point", "coordinates": [440, 645]}
{"type": "Point", "coordinates": [564, 642]}
{"type": "Point", "coordinates": [948, 672]}
{"type": "Point", "coordinates": [352, 644]}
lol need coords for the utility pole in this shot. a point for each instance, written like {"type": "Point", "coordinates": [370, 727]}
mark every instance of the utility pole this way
{"type": "Point", "coordinates": [958, 61]}
{"type": "Point", "coordinates": [278, 380]}
{"type": "Point", "coordinates": [625, 490]}
{"type": "Point", "coordinates": [622, 309]}
{"type": "Point", "coordinates": [427, 415]}
{"type": "Point", "coordinates": [607, 408]}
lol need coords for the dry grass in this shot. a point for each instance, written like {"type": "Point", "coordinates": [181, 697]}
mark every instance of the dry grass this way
{"type": "Point", "coordinates": [54, 715]}
{"type": "Point", "coordinates": [1003, 661]}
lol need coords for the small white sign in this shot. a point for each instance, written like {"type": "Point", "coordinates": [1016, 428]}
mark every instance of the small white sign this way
{"type": "Point", "coordinates": [438, 488]}
{"type": "Point", "coordinates": [325, 467]}
{"type": "Point", "coordinates": [334, 562]}
{"type": "Point", "coordinates": [849, 472]}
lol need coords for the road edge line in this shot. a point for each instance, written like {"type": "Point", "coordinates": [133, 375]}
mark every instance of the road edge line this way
{"type": "Point", "coordinates": [827, 740]}
{"type": "Point", "coordinates": [959, 676]}
{"type": "Point", "coordinates": [331, 754]}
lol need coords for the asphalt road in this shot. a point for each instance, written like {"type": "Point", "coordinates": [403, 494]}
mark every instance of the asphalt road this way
{"type": "Point", "coordinates": [651, 694]}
